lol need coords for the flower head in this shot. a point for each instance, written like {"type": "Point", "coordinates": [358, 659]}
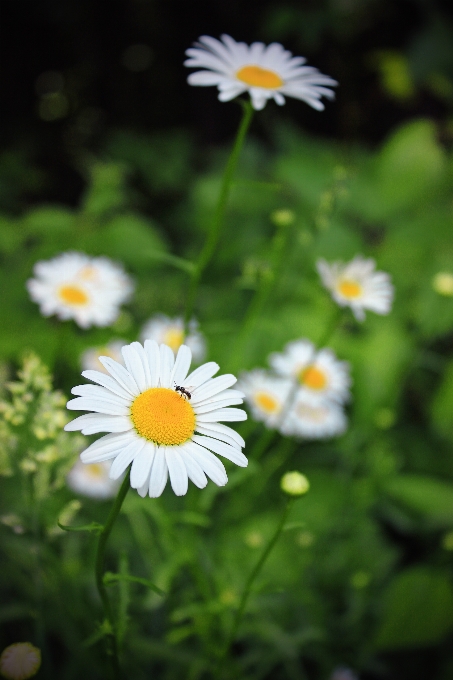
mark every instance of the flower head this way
{"type": "Point", "coordinates": [443, 283]}
{"type": "Point", "coordinates": [356, 285]}
{"type": "Point", "coordinates": [90, 357]}
{"type": "Point", "coordinates": [294, 483]}
{"type": "Point", "coordinates": [92, 480]}
{"type": "Point", "coordinates": [266, 72]}
{"type": "Point", "coordinates": [170, 331]}
{"type": "Point", "coordinates": [266, 395]}
{"type": "Point", "coordinates": [319, 372]}
{"type": "Point", "coordinates": [20, 661]}
{"type": "Point", "coordinates": [314, 419]}
{"type": "Point", "coordinates": [76, 286]}
{"type": "Point", "coordinates": [160, 419]}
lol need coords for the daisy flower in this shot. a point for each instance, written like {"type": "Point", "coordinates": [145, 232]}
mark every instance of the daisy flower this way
{"type": "Point", "coordinates": [90, 357]}
{"type": "Point", "coordinates": [319, 373]}
{"type": "Point", "coordinates": [265, 394]}
{"type": "Point", "coordinates": [356, 285]}
{"type": "Point", "coordinates": [314, 418]}
{"type": "Point", "coordinates": [160, 419]}
{"type": "Point", "coordinates": [170, 331]}
{"type": "Point", "coordinates": [265, 72]}
{"type": "Point", "coordinates": [92, 480]}
{"type": "Point", "coordinates": [76, 286]}
{"type": "Point", "coordinates": [20, 661]}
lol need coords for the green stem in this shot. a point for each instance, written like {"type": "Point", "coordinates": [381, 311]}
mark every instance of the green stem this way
{"type": "Point", "coordinates": [217, 220]}
{"type": "Point", "coordinates": [252, 577]}
{"type": "Point", "coordinates": [99, 571]}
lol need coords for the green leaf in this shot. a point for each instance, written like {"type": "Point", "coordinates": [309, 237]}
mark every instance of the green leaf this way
{"type": "Point", "coordinates": [418, 609]}
{"type": "Point", "coordinates": [424, 495]}
{"type": "Point", "coordinates": [49, 221]}
{"type": "Point", "coordinates": [110, 578]}
{"type": "Point", "coordinates": [106, 190]}
{"type": "Point", "coordinates": [104, 629]}
{"type": "Point", "coordinates": [94, 527]}
{"type": "Point", "coordinates": [133, 239]}
{"type": "Point", "coordinates": [442, 405]}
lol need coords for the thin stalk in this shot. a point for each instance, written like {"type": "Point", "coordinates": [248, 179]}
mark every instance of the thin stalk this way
{"type": "Point", "coordinates": [219, 213]}
{"type": "Point", "coordinates": [99, 572]}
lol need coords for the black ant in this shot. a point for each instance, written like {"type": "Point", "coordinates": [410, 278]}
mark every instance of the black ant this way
{"type": "Point", "coordinates": [183, 391]}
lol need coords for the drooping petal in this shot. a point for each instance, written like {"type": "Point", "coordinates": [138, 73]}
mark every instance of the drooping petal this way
{"type": "Point", "coordinates": [141, 466]}
{"type": "Point", "coordinates": [177, 471]}
{"type": "Point", "coordinates": [120, 374]}
{"type": "Point", "coordinates": [226, 450]}
{"type": "Point", "coordinates": [125, 458]}
{"type": "Point", "coordinates": [159, 473]}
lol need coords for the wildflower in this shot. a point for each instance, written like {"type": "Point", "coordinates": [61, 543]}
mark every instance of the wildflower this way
{"type": "Point", "coordinates": [356, 285]}
{"type": "Point", "coordinates": [90, 357]}
{"type": "Point", "coordinates": [314, 419]}
{"type": "Point", "coordinates": [265, 394]}
{"type": "Point", "coordinates": [443, 284]}
{"type": "Point", "coordinates": [152, 411]}
{"type": "Point", "coordinates": [266, 72]}
{"type": "Point", "coordinates": [294, 483]}
{"type": "Point", "coordinates": [170, 331]}
{"type": "Point", "coordinates": [20, 661]}
{"type": "Point", "coordinates": [318, 372]}
{"type": "Point", "coordinates": [92, 480]}
{"type": "Point", "coordinates": [76, 286]}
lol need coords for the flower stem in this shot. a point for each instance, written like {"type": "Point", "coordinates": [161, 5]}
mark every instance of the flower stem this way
{"type": "Point", "coordinates": [251, 579]}
{"type": "Point", "coordinates": [99, 571]}
{"type": "Point", "coordinates": [217, 220]}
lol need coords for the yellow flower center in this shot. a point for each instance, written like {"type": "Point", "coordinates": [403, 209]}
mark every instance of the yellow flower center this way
{"type": "Point", "coordinates": [174, 338]}
{"type": "Point", "coordinates": [259, 77]}
{"type": "Point", "coordinates": [313, 377]}
{"type": "Point", "coordinates": [163, 416]}
{"type": "Point", "coordinates": [73, 295]}
{"type": "Point", "coordinates": [266, 402]}
{"type": "Point", "coordinates": [349, 289]}
{"type": "Point", "coordinates": [95, 471]}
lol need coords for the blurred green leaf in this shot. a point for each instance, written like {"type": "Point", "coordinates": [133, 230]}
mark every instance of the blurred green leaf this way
{"type": "Point", "coordinates": [424, 495]}
{"type": "Point", "coordinates": [110, 578]}
{"type": "Point", "coordinates": [442, 404]}
{"type": "Point", "coordinates": [418, 609]}
{"type": "Point", "coordinates": [106, 189]}
{"type": "Point", "coordinates": [94, 527]}
{"type": "Point", "coordinates": [133, 239]}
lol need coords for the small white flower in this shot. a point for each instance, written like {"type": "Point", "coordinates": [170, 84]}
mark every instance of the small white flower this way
{"type": "Point", "coordinates": [314, 419]}
{"type": "Point", "coordinates": [90, 358]}
{"type": "Point", "coordinates": [160, 419]}
{"type": "Point", "coordinates": [319, 373]}
{"type": "Point", "coordinates": [170, 331]}
{"type": "Point", "coordinates": [20, 661]}
{"type": "Point", "coordinates": [356, 285]}
{"type": "Point", "coordinates": [266, 72]}
{"type": "Point", "coordinates": [266, 395]}
{"type": "Point", "coordinates": [76, 286]}
{"type": "Point", "coordinates": [92, 480]}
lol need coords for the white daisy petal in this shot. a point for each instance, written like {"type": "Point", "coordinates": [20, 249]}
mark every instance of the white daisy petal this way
{"type": "Point", "coordinates": [218, 434]}
{"type": "Point", "coordinates": [125, 458]}
{"type": "Point", "coordinates": [167, 360]}
{"type": "Point", "coordinates": [177, 470]}
{"type": "Point", "coordinates": [223, 414]}
{"type": "Point", "coordinates": [226, 394]}
{"type": "Point", "coordinates": [121, 375]}
{"type": "Point", "coordinates": [201, 374]}
{"type": "Point", "coordinates": [219, 403]}
{"type": "Point", "coordinates": [98, 405]}
{"type": "Point", "coordinates": [144, 488]}
{"type": "Point", "coordinates": [97, 392]}
{"type": "Point", "coordinates": [214, 386]}
{"type": "Point", "coordinates": [182, 365]}
{"type": "Point", "coordinates": [153, 355]}
{"type": "Point", "coordinates": [222, 449]}
{"type": "Point", "coordinates": [159, 473]}
{"type": "Point", "coordinates": [106, 447]}
{"type": "Point", "coordinates": [134, 365]}
{"type": "Point", "coordinates": [107, 382]}
{"type": "Point", "coordinates": [194, 470]}
{"type": "Point", "coordinates": [211, 465]}
{"type": "Point", "coordinates": [92, 423]}
{"type": "Point", "coordinates": [141, 466]}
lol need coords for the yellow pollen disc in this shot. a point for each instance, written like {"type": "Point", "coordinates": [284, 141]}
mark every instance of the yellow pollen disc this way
{"type": "Point", "coordinates": [95, 470]}
{"type": "Point", "coordinates": [266, 402]}
{"type": "Point", "coordinates": [174, 338]}
{"type": "Point", "coordinates": [259, 77]}
{"type": "Point", "coordinates": [73, 295]}
{"type": "Point", "coordinates": [349, 289]}
{"type": "Point", "coordinates": [313, 377]}
{"type": "Point", "coordinates": [163, 416]}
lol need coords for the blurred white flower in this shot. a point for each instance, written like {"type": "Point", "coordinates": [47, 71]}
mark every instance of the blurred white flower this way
{"type": "Point", "coordinates": [266, 72]}
{"type": "Point", "coordinates": [75, 286]}
{"type": "Point", "coordinates": [357, 285]}
{"type": "Point", "coordinates": [314, 419]}
{"type": "Point", "coordinates": [318, 372]}
{"type": "Point", "coordinates": [170, 331]}
{"type": "Point", "coordinates": [92, 480]}
{"type": "Point", "coordinates": [265, 394]}
{"type": "Point", "coordinates": [152, 410]}
{"type": "Point", "coordinates": [90, 357]}
{"type": "Point", "coordinates": [20, 661]}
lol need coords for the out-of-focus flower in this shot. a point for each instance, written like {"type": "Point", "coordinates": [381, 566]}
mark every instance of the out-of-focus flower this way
{"type": "Point", "coordinates": [20, 661]}
{"type": "Point", "coordinates": [75, 286]}
{"type": "Point", "coordinates": [314, 419]}
{"type": "Point", "coordinates": [443, 283]}
{"type": "Point", "coordinates": [318, 372]}
{"type": "Point", "coordinates": [357, 285]}
{"type": "Point", "coordinates": [343, 673]}
{"type": "Point", "coordinates": [266, 395]}
{"type": "Point", "coordinates": [264, 71]}
{"type": "Point", "coordinates": [90, 358]}
{"type": "Point", "coordinates": [152, 411]}
{"type": "Point", "coordinates": [170, 331]}
{"type": "Point", "coordinates": [92, 480]}
{"type": "Point", "coordinates": [294, 483]}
